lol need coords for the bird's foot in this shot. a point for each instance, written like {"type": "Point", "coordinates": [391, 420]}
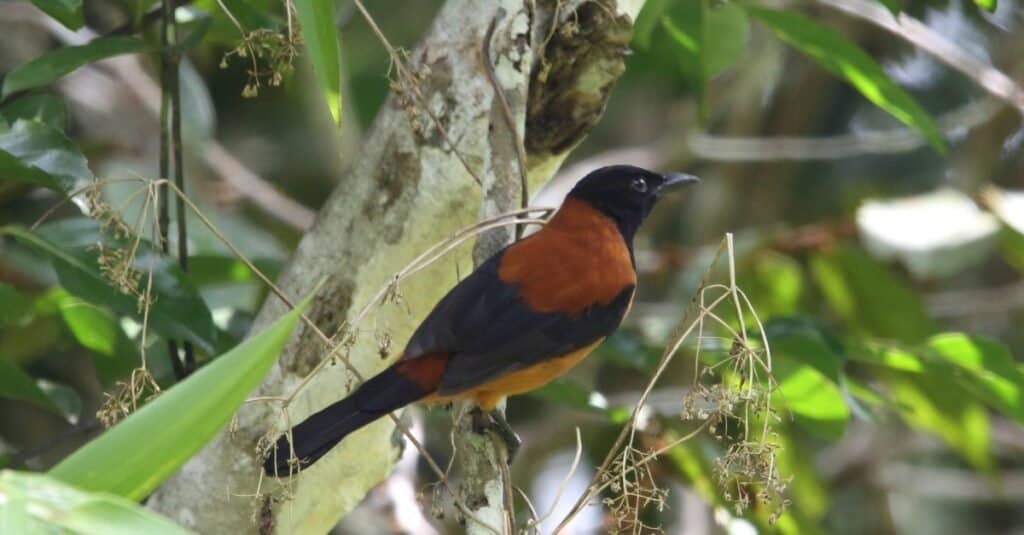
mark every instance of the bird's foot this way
{"type": "Point", "coordinates": [495, 422]}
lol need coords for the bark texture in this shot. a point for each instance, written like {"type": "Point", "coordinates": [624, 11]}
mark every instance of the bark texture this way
{"type": "Point", "coordinates": [406, 191]}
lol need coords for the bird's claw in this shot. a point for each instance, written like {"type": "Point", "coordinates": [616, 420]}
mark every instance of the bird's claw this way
{"type": "Point", "coordinates": [495, 422]}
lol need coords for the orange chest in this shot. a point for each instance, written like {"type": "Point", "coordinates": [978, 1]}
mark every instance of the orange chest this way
{"type": "Point", "coordinates": [578, 260]}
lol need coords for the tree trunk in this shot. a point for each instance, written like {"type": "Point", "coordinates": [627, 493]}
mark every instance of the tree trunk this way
{"type": "Point", "coordinates": [407, 190]}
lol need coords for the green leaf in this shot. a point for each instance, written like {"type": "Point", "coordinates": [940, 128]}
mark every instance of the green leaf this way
{"type": "Point", "coordinates": [845, 59]}
{"type": "Point", "coordinates": [38, 504]}
{"type": "Point", "coordinates": [802, 341]}
{"type": "Point", "coordinates": [775, 282]}
{"type": "Point", "coordinates": [936, 403]}
{"type": "Point", "coordinates": [100, 331]}
{"type": "Point", "coordinates": [33, 152]}
{"type": "Point", "coordinates": [320, 33]}
{"type": "Point", "coordinates": [864, 294]}
{"type": "Point", "coordinates": [647, 21]}
{"type": "Point", "coordinates": [986, 368]}
{"type": "Point", "coordinates": [67, 12]}
{"type": "Point", "coordinates": [136, 455]}
{"type": "Point", "coordinates": [987, 5]}
{"type": "Point", "coordinates": [710, 38]}
{"type": "Point", "coordinates": [815, 402]}
{"type": "Point", "coordinates": [53, 65]}
{"type": "Point", "coordinates": [891, 356]}
{"type": "Point", "coordinates": [177, 311]}
{"type": "Point", "coordinates": [41, 107]}
{"type": "Point", "coordinates": [686, 32]}
{"type": "Point", "coordinates": [16, 384]}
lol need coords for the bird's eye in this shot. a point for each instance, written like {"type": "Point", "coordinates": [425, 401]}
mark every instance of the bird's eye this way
{"type": "Point", "coordinates": [639, 184]}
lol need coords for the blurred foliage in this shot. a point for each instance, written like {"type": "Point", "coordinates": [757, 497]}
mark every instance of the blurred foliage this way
{"type": "Point", "coordinates": [794, 118]}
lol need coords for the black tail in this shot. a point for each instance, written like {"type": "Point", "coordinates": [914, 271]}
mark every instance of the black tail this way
{"type": "Point", "coordinates": [316, 435]}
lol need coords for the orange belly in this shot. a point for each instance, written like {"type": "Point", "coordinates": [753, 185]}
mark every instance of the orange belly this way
{"type": "Point", "coordinates": [490, 393]}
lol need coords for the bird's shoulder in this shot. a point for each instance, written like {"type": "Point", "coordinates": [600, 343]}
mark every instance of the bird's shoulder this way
{"type": "Point", "coordinates": [577, 261]}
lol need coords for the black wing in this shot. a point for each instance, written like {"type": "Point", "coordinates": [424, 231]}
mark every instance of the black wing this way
{"type": "Point", "coordinates": [487, 330]}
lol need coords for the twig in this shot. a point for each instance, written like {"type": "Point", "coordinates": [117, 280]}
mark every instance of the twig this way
{"type": "Point", "coordinates": [174, 87]}
{"type": "Point", "coordinates": [167, 73]}
{"type": "Point", "coordinates": [407, 77]}
{"type": "Point", "coordinates": [536, 522]}
{"type": "Point", "coordinates": [510, 121]}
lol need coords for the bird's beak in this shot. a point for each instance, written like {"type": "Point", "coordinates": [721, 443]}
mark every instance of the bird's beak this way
{"type": "Point", "coordinates": [673, 180]}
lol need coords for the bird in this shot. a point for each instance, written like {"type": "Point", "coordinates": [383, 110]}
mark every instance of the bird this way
{"type": "Point", "coordinates": [523, 317]}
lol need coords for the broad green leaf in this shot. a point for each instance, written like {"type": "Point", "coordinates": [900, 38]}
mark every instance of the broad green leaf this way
{"type": "Point", "coordinates": [98, 330]}
{"type": "Point", "coordinates": [774, 282]}
{"type": "Point", "coordinates": [865, 295]}
{"type": "Point", "coordinates": [49, 67]}
{"type": "Point", "coordinates": [648, 19]}
{"type": "Point", "coordinates": [41, 107]}
{"type": "Point", "coordinates": [37, 504]}
{"type": "Point", "coordinates": [136, 455]}
{"type": "Point", "coordinates": [937, 403]}
{"type": "Point", "coordinates": [802, 341]}
{"type": "Point", "coordinates": [320, 33]}
{"type": "Point", "coordinates": [16, 384]}
{"type": "Point", "coordinates": [67, 12]}
{"type": "Point", "coordinates": [177, 310]}
{"type": "Point", "coordinates": [815, 402]}
{"type": "Point", "coordinates": [986, 368]}
{"type": "Point", "coordinates": [845, 59]}
{"type": "Point", "coordinates": [888, 355]}
{"type": "Point", "coordinates": [711, 37]}
{"type": "Point", "coordinates": [983, 368]}
{"type": "Point", "coordinates": [34, 152]}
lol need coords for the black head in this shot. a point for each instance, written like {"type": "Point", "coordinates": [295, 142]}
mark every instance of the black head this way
{"type": "Point", "coordinates": [626, 193]}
